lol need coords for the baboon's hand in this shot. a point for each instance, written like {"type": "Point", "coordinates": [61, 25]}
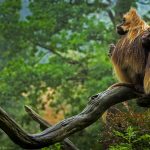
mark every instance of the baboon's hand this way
{"type": "Point", "coordinates": [111, 49]}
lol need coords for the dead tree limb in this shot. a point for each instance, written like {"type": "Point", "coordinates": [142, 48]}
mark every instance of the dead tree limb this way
{"type": "Point", "coordinates": [96, 106]}
{"type": "Point", "coordinates": [43, 123]}
{"type": "Point", "coordinates": [66, 143]}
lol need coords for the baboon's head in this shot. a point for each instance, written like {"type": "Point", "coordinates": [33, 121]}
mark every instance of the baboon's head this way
{"type": "Point", "coordinates": [130, 21]}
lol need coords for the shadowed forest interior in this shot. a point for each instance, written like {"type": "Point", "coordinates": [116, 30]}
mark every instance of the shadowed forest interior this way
{"type": "Point", "coordinates": [54, 56]}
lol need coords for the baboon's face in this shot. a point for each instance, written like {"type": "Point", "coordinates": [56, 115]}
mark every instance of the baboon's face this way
{"type": "Point", "coordinates": [121, 28]}
{"type": "Point", "coordinates": [128, 22]}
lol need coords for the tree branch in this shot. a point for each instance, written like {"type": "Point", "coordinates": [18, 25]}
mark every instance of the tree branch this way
{"type": "Point", "coordinates": [50, 49]}
{"type": "Point", "coordinates": [111, 16]}
{"type": "Point", "coordinates": [66, 144]}
{"type": "Point", "coordinates": [97, 105]}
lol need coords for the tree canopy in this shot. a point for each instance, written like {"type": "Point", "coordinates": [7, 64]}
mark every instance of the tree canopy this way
{"type": "Point", "coordinates": [53, 56]}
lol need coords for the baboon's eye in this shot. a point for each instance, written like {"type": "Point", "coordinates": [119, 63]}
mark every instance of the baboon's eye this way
{"type": "Point", "coordinates": [124, 19]}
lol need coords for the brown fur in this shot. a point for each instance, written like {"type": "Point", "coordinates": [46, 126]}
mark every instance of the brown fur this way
{"type": "Point", "coordinates": [129, 58]}
{"type": "Point", "coordinates": [147, 76]}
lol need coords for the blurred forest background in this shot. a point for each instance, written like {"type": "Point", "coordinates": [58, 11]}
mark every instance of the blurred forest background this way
{"type": "Point", "coordinates": [53, 57]}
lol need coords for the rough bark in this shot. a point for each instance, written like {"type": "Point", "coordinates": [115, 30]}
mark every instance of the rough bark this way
{"type": "Point", "coordinates": [96, 106]}
{"type": "Point", "coordinates": [66, 144]}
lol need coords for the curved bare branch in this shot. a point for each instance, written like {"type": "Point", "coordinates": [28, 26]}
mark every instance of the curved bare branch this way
{"type": "Point", "coordinates": [96, 106]}
{"type": "Point", "coordinates": [66, 143]}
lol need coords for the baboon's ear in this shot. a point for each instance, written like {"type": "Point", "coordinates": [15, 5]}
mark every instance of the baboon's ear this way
{"type": "Point", "coordinates": [133, 10]}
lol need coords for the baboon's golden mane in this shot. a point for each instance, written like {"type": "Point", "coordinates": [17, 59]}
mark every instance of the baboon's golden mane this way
{"type": "Point", "coordinates": [129, 50]}
{"type": "Point", "coordinates": [129, 53]}
{"type": "Point", "coordinates": [135, 24]}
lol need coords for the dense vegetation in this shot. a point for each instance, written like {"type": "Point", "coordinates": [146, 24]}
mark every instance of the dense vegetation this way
{"type": "Point", "coordinates": [53, 56]}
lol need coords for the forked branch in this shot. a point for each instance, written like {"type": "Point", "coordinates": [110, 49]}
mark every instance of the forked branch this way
{"type": "Point", "coordinates": [96, 106]}
{"type": "Point", "coordinates": [66, 144]}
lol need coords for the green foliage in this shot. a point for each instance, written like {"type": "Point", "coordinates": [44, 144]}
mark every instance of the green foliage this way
{"type": "Point", "coordinates": [126, 129]}
{"type": "Point", "coordinates": [62, 45]}
{"type": "Point", "coordinates": [56, 146]}
{"type": "Point", "coordinates": [132, 140]}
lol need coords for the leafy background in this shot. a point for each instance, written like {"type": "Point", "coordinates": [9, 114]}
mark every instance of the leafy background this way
{"type": "Point", "coordinates": [53, 57]}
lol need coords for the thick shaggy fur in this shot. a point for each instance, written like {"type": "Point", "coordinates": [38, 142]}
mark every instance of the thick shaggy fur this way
{"type": "Point", "coordinates": [130, 59]}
